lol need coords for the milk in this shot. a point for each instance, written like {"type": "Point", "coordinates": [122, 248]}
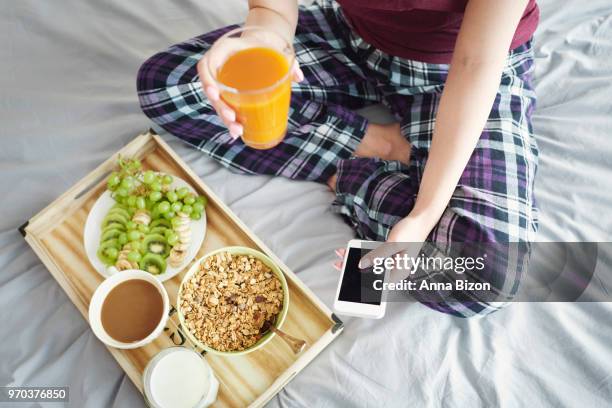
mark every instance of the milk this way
{"type": "Point", "coordinates": [180, 379]}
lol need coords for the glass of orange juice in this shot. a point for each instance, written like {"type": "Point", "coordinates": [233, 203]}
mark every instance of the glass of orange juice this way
{"type": "Point", "coordinates": [252, 69]}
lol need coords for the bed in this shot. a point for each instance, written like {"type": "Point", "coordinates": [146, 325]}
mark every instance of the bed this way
{"type": "Point", "coordinates": [67, 101]}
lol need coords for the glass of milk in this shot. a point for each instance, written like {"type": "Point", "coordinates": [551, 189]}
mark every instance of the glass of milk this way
{"type": "Point", "coordinates": [178, 377]}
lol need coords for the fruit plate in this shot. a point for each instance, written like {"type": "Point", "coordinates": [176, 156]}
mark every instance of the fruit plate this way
{"type": "Point", "coordinates": [91, 235]}
{"type": "Point", "coordinates": [56, 235]}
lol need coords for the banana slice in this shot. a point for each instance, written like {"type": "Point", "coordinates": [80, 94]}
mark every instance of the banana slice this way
{"type": "Point", "coordinates": [176, 257]}
{"type": "Point", "coordinates": [123, 263]}
{"type": "Point", "coordinates": [178, 253]}
{"type": "Point", "coordinates": [142, 217]}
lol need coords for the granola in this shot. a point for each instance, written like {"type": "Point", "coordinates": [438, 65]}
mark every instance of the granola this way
{"type": "Point", "coordinates": [228, 300]}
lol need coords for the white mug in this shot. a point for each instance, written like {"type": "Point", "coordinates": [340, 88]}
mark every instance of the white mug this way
{"type": "Point", "coordinates": [97, 300]}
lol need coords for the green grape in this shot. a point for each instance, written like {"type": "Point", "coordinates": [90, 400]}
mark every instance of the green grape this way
{"type": "Point", "coordinates": [167, 179]}
{"type": "Point", "coordinates": [134, 256]}
{"type": "Point", "coordinates": [122, 192]}
{"type": "Point", "coordinates": [169, 215]}
{"type": "Point", "coordinates": [133, 235]}
{"type": "Point", "coordinates": [131, 201]}
{"type": "Point", "coordinates": [197, 207]}
{"type": "Point", "coordinates": [176, 207]}
{"type": "Point", "coordinates": [149, 177]}
{"type": "Point", "coordinates": [190, 199]}
{"type": "Point", "coordinates": [122, 239]}
{"type": "Point", "coordinates": [171, 196]}
{"type": "Point", "coordinates": [195, 215]}
{"type": "Point", "coordinates": [187, 209]}
{"type": "Point", "coordinates": [140, 203]}
{"type": "Point", "coordinates": [172, 239]}
{"type": "Point", "coordinates": [182, 192]}
{"type": "Point", "coordinates": [155, 196]}
{"type": "Point", "coordinates": [114, 179]}
{"type": "Point", "coordinates": [127, 183]}
{"type": "Point", "coordinates": [175, 222]}
{"type": "Point", "coordinates": [163, 207]}
{"type": "Point", "coordinates": [135, 245]}
{"type": "Point", "coordinates": [143, 228]}
{"type": "Point", "coordinates": [130, 225]}
{"type": "Point", "coordinates": [149, 205]}
{"type": "Point", "coordinates": [203, 200]}
{"type": "Point", "coordinates": [137, 164]}
{"type": "Point", "coordinates": [111, 252]}
{"type": "Point", "coordinates": [156, 186]}
{"type": "Point", "coordinates": [155, 214]}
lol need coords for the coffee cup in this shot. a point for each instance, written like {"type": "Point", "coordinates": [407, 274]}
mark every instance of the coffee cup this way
{"type": "Point", "coordinates": [123, 310]}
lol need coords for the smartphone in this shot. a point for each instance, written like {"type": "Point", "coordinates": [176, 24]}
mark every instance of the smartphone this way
{"type": "Point", "coordinates": [357, 294]}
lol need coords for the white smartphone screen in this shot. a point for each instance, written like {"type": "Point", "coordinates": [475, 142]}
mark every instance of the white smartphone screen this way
{"type": "Point", "coordinates": [357, 285]}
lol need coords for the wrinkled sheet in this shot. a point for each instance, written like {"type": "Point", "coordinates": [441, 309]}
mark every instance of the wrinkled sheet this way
{"type": "Point", "coordinates": [67, 101]}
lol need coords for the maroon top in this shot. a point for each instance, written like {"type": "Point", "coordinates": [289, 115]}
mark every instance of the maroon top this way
{"type": "Point", "coordinates": [422, 30]}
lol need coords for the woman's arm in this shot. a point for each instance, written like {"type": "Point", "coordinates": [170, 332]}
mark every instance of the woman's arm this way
{"type": "Point", "coordinates": [280, 16]}
{"type": "Point", "coordinates": [473, 80]}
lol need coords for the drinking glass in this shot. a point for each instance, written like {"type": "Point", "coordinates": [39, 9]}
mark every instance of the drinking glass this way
{"type": "Point", "coordinates": [261, 110]}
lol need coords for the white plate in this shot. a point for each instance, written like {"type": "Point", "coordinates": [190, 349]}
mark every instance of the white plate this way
{"type": "Point", "coordinates": [93, 228]}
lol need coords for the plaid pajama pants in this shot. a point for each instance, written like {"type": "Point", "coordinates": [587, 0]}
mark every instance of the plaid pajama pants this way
{"type": "Point", "coordinates": [493, 201]}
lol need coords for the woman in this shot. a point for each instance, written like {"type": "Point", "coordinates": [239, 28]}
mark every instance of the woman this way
{"type": "Point", "coordinates": [459, 164]}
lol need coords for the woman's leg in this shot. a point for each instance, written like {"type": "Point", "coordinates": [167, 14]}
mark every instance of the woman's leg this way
{"type": "Point", "coordinates": [322, 124]}
{"type": "Point", "coordinates": [493, 202]}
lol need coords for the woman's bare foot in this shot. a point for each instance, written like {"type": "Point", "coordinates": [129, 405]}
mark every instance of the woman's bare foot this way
{"type": "Point", "coordinates": [384, 142]}
{"type": "Point", "coordinates": [332, 182]}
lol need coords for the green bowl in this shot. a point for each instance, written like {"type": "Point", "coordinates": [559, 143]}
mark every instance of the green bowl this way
{"type": "Point", "coordinates": [280, 318]}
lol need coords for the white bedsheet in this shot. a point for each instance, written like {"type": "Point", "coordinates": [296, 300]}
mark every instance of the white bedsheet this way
{"type": "Point", "coordinates": [67, 101]}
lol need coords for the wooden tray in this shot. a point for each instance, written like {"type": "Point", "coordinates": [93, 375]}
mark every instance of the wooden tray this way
{"type": "Point", "coordinates": [56, 235]}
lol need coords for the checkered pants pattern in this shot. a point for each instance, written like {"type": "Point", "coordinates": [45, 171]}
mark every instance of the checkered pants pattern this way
{"type": "Point", "coordinates": [493, 201]}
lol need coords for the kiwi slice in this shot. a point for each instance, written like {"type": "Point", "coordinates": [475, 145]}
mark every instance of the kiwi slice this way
{"type": "Point", "coordinates": [113, 219]}
{"type": "Point", "coordinates": [113, 226]}
{"type": "Point", "coordinates": [160, 230]}
{"type": "Point", "coordinates": [156, 244]}
{"type": "Point", "coordinates": [103, 254]}
{"type": "Point", "coordinates": [119, 210]}
{"type": "Point", "coordinates": [113, 242]}
{"type": "Point", "coordinates": [160, 222]}
{"type": "Point", "coordinates": [110, 233]}
{"type": "Point", "coordinates": [153, 263]}
{"type": "Point", "coordinates": [106, 260]}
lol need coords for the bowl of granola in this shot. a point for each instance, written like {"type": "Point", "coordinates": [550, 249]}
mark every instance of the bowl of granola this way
{"type": "Point", "coordinates": [228, 299]}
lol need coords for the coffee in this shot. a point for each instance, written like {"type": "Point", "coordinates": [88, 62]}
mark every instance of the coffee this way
{"type": "Point", "coordinates": [132, 310]}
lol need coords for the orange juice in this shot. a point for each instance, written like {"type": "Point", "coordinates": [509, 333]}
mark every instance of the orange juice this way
{"type": "Point", "coordinates": [262, 94]}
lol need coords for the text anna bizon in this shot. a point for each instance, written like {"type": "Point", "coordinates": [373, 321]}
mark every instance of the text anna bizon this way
{"type": "Point", "coordinates": [461, 284]}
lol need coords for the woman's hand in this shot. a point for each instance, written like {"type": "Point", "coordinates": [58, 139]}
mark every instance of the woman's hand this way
{"type": "Point", "coordinates": [339, 262]}
{"type": "Point", "coordinates": [211, 62]}
{"type": "Point", "coordinates": [403, 235]}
